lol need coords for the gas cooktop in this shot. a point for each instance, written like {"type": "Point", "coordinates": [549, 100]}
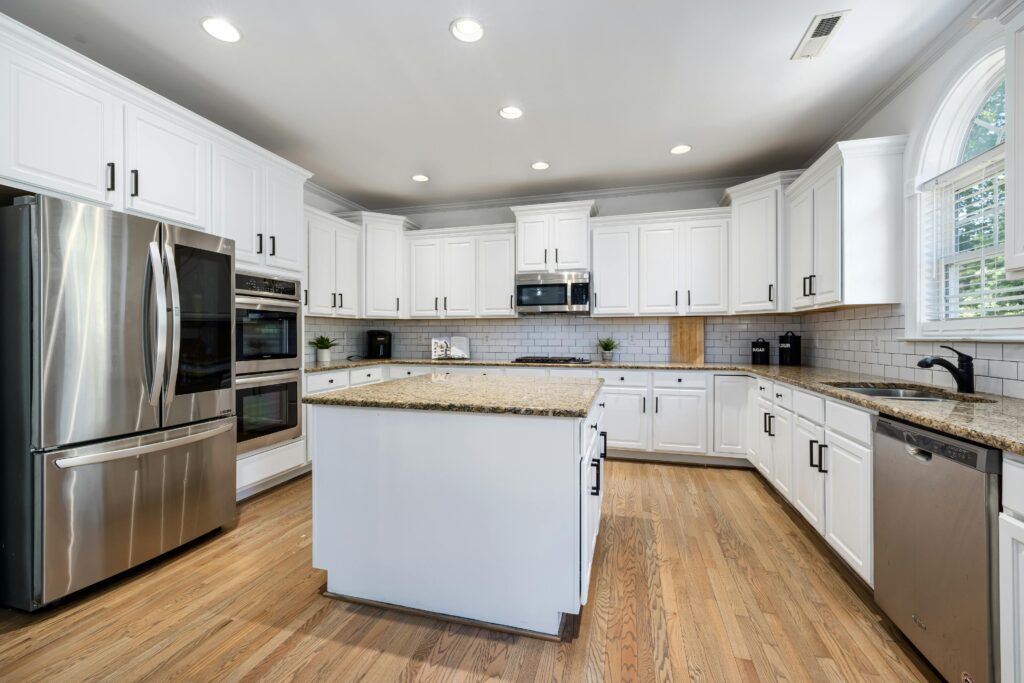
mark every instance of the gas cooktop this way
{"type": "Point", "coordinates": [561, 360]}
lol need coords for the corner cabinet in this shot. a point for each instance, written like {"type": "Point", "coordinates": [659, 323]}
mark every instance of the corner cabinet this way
{"type": "Point", "coordinates": [333, 285]}
{"type": "Point", "coordinates": [757, 218]}
{"type": "Point", "coordinates": [553, 237]}
{"type": "Point", "coordinates": [845, 218]}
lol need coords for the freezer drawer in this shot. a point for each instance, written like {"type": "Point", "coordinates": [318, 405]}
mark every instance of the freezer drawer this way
{"type": "Point", "coordinates": [110, 506]}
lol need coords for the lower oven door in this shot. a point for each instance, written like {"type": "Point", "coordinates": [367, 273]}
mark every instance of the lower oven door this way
{"type": "Point", "coordinates": [268, 410]}
{"type": "Point", "coordinates": [266, 335]}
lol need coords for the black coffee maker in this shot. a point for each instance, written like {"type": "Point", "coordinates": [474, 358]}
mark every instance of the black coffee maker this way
{"type": "Point", "coordinates": [378, 344]}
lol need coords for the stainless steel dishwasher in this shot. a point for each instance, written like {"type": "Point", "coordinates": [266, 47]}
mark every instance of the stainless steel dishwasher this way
{"type": "Point", "coordinates": [936, 500]}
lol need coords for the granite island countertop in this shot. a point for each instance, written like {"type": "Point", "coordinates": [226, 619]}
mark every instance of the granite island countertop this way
{"type": "Point", "coordinates": [543, 396]}
{"type": "Point", "coordinates": [996, 421]}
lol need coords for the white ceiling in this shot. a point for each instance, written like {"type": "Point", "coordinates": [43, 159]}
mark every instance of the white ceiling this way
{"type": "Point", "coordinates": [367, 93]}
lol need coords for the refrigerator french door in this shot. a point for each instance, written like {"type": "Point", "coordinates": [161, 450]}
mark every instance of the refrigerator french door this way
{"type": "Point", "coordinates": [118, 353]}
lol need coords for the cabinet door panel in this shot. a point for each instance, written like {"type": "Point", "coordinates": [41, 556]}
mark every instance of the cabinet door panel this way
{"type": "Point", "coordinates": [171, 165]}
{"type": "Point", "coordinates": [383, 270]}
{"type": "Point", "coordinates": [346, 270]}
{"type": "Point", "coordinates": [1011, 597]}
{"type": "Point", "coordinates": [626, 418]}
{"type": "Point", "coordinates": [808, 482]}
{"type": "Point", "coordinates": [57, 131]}
{"type": "Point", "coordinates": [496, 277]}
{"type": "Point", "coordinates": [459, 277]}
{"type": "Point", "coordinates": [753, 267]}
{"type": "Point", "coordinates": [237, 202]}
{"type": "Point", "coordinates": [659, 289]}
{"type": "Point", "coordinates": [704, 263]}
{"type": "Point", "coordinates": [571, 243]}
{"type": "Point", "coordinates": [615, 271]}
{"type": "Point", "coordinates": [680, 421]}
{"type": "Point", "coordinates": [782, 451]}
{"type": "Point", "coordinates": [801, 248]}
{"type": "Point", "coordinates": [532, 244]}
{"type": "Point", "coordinates": [284, 202]}
{"type": "Point", "coordinates": [320, 295]}
{"type": "Point", "coordinates": [425, 279]}
{"type": "Point", "coordinates": [848, 506]}
{"type": "Point", "coordinates": [765, 446]}
{"type": "Point", "coordinates": [826, 284]}
{"type": "Point", "coordinates": [730, 418]}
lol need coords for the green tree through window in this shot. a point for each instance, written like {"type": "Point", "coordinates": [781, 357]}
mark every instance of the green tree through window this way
{"type": "Point", "coordinates": [988, 127]}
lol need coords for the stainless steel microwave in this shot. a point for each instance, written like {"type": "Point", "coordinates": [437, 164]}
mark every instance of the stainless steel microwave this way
{"type": "Point", "coordinates": [566, 292]}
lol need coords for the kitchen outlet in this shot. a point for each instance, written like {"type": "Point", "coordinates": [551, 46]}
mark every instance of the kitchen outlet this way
{"type": "Point", "coordinates": [877, 345]}
{"type": "Point", "coordinates": [635, 337]}
{"type": "Point", "coordinates": [726, 339]}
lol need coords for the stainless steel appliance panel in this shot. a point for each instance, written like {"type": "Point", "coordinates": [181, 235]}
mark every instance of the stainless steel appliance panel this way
{"type": "Point", "coordinates": [201, 341]}
{"type": "Point", "coordinates": [268, 410]}
{"type": "Point", "coordinates": [564, 292]}
{"type": "Point", "coordinates": [95, 357]}
{"type": "Point", "coordinates": [934, 524]}
{"type": "Point", "coordinates": [111, 506]}
{"type": "Point", "coordinates": [266, 335]}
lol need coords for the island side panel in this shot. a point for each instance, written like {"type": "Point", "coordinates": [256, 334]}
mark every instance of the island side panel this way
{"type": "Point", "coordinates": [467, 514]}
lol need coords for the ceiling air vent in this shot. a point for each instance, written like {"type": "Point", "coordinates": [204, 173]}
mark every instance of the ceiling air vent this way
{"type": "Point", "coordinates": [821, 30]}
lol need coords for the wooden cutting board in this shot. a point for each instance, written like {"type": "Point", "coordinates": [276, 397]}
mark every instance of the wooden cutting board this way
{"type": "Point", "coordinates": [687, 340]}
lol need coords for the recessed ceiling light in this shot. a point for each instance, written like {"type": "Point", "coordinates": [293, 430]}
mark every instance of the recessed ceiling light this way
{"type": "Point", "coordinates": [510, 112]}
{"type": "Point", "coordinates": [221, 29]}
{"type": "Point", "coordinates": [420, 178]}
{"type": "Point", "coordinates": [681, 149]}
{"type": "Point", "coordinates": [540, 166]}
{"type": "Point", "coordinates": [467, 30]}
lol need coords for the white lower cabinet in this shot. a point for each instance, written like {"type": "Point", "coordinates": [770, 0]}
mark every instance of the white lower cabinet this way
{"type": "Point", "coordinates": [848, 511]}
{"type": "Point", "coordinates": [808, 481]}
{"type": "Point", "coordinates": [1011, 598]}
{"type": "Point", "coordinates": [764, 450]}
{"type": "Point", "coordinates": [730, 414]}
{"type": "Point", "coordinates": [625, 417]}
{"type": "Point", "coordinates": [680, 421]}
{"type": "Point", "coordinates": [780, 432]}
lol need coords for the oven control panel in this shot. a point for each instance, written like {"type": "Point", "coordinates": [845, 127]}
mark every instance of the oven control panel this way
{"type": "Point", "coordinates": [257, 285]}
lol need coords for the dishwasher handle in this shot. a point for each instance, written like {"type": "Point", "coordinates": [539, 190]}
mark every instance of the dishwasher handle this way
{"type": "Point", "coordinates": [919, 454]}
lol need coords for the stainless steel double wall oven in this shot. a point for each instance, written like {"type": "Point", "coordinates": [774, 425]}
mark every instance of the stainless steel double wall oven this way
{"type": "Point", "coordinates": [118, 426]}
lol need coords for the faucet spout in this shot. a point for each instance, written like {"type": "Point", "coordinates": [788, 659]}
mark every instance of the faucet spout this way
{"type": "Point", "coordinates": [963, 371]}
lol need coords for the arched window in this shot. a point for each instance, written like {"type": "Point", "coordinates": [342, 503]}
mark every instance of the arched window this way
{"type": "Point", "coordinates": [963, 289]}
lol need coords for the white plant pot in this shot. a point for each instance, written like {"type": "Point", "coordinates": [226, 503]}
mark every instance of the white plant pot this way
{"type": "Point", "coordinates": [323, 355]}
{"type": "Point", "coordinates": [607, 356]}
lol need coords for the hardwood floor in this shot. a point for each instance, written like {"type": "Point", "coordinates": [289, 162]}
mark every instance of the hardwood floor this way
{"type": "Point", "coordinates": [700, 574]}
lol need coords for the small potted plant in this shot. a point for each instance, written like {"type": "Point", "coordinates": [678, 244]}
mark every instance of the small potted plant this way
{"type": "Point", "coordinates": [323, 347]}
{"type": "Point", "coordinates": [607, 346]}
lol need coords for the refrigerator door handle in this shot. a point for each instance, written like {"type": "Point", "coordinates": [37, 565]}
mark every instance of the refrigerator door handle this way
{"type": "Point", "coordinates": [172, 370]}
{"type": "Point", "coordinates": [122, 453]}
{"type": "Point", "coordinates": [156, 380]}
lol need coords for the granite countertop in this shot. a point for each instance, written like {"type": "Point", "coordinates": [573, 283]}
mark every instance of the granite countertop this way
{"type": "Point", "coordinates": [550, 397]}
{"type": "Point", "coordinates": [995, 421]}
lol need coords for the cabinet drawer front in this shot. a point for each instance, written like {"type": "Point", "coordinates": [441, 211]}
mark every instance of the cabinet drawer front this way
{"type": "Point", "coordinates": [400, 371]}
{"type": "Point", "coordinates": [681, 380]}
{"type": "Point", "coordinates": [366, 376]}
{"type": "Point", "coordinates": [783, 396]}
{"type": "Point", "coordinates": [765, 388]}
{"type": "Point", "coordinates": [1013, 485]}
{"type": "Point", "coordinates": [848, 421]}
{"type": "Point", "coordinates": [624, 378]}
{"type": "Point", "coordinates": [809, 406]}
{"type": "Point", "coordinates": [324, 381]}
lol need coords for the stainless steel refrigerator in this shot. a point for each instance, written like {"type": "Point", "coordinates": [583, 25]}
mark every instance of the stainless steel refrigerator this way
{"type": "Point", "coordinates": [117, 385]}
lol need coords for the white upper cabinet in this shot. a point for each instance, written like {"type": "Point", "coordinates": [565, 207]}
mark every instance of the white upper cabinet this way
{"type": "Point", "coordinates": [496, 275]}
{"type": "Point", "coordinates": [332, 265]}
{"type": "Point", "coordinates": [460, 272]}
{"type": "Point", "coordinates": [552, 237]}
{"type": "Point", "coordinates": [168, 167]}
{"type": "Point", "coordinates": [844, 226]}
{"type": "Point", "coordinates": [238, 201]}
{"type": "Point", "coordinates": [57, 131]}
{"type": "Point", "coordinates": [286, 243]}
{"type": "Point", "coordinates": [704, 266]}
{"type": "Point", "coordinates": [659, 268]}
{"type": "Point", "coordinates": [383, 236]}
{"type": "Point", "coordinates": [753, 250]}
{"type": "Point", "coordinates": [425, 278]}
{"type": "Point", "coordinates": [614, 279]}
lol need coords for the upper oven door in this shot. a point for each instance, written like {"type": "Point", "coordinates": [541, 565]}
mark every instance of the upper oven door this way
{"type": "Point", "coordinates": [266, 335]}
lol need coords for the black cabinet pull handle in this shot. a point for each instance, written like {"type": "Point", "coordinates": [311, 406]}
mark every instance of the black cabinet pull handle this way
{"type": "Point", "coordinates": [645, 404]}
{"type": "Point", "coordinates": [805, 287]}
{"type": "Point", "coordinates": [821, 458]}
{"type": "Point", "coordinates": [341, 300]}
{"type": "Point", "coordinates": [110, 176]}
{"type": "Point", "coordinates": [771, 297]}
{"type": "Point", "coordinates": [330, 381]}
{"type": "Point", "coordinates": [510, 301]}
{"type": "Point", "coordinates": [601, 405]}
{"type": "Point", "coordinates": [545, 256]}
{"type": "Point", "coordinates": [593, 426]}
{"type": "Point", "coordinates": [135, 182]}
{"type": "Point", "coordinates": [679, 379]}
{"type": "Point", "coordinates": [810, 448]}
{"type": "Point", "coordinates": [764, 423]}
{"type": "Point", "coordinates": [689, 302]}
{"type": "Point", "coordinates": [305, 297]}
{"type": "Point", "coordinates": [397, 303]}
{"type": "Point", "coordinates": [273, 245]}
{"type": "Point", "coordinates": [771, 422]}
{"type": "Point", "coordinates": [259, 243]}
{"type": "Point", "coordinates": [435, 303]}
{"type": "Point", "coordinates": [604, 439]}
{"type": "Point", "coordinates": [677, 297]}
{"type": "Point", "coordinates": [596, 464]}
{"type": "Point", "coordinates": [556, 254]}
{"type": "Point", "coordinates": [334, 300]}
{"type": "Point", "coordinates": [656, 403]}
{"type": "Point", "coordinates": [446, 303]}
{"type": "Point", "coordinates": [778, 395]}
{"type": "Point", "coordinates": [810, 284]}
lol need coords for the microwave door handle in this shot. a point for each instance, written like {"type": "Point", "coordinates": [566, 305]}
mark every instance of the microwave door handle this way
{"type": "Point", "coordinates": [156, 277]}
{"type": "Point", "coordinates": [172, 371]}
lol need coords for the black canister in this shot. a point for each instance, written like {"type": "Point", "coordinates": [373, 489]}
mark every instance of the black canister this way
{"type": "Point", "coordinates": [760, 352]}
{"type": "Point", "coordinates": [789, 349]}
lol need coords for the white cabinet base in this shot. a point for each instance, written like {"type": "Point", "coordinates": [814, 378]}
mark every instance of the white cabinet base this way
{"type": "Point", "coordinates": [264, 469]}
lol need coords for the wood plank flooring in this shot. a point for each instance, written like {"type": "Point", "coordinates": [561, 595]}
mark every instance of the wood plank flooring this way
{"type": "Point", "coordinates": [700, 574]}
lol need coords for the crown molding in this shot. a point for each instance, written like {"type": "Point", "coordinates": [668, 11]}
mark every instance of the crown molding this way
{"type": "Point", "coordinates": [780, 179]}
{"type": "Point", "coordinates": [345, 205]}
{"type": "Point", "coordinates": [661, 217]}
{"type": "Point", "coordinates": [957, 29]}
{"type": "Point", "coordinates": [582, 195]}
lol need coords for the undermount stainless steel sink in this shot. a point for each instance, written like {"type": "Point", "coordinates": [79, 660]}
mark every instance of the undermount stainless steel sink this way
{"type": "Point", "coordinates": [901, 394]}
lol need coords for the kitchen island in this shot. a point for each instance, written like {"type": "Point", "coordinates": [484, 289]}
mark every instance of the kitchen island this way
{"type": "Point", "coordinates": [475, 498]}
